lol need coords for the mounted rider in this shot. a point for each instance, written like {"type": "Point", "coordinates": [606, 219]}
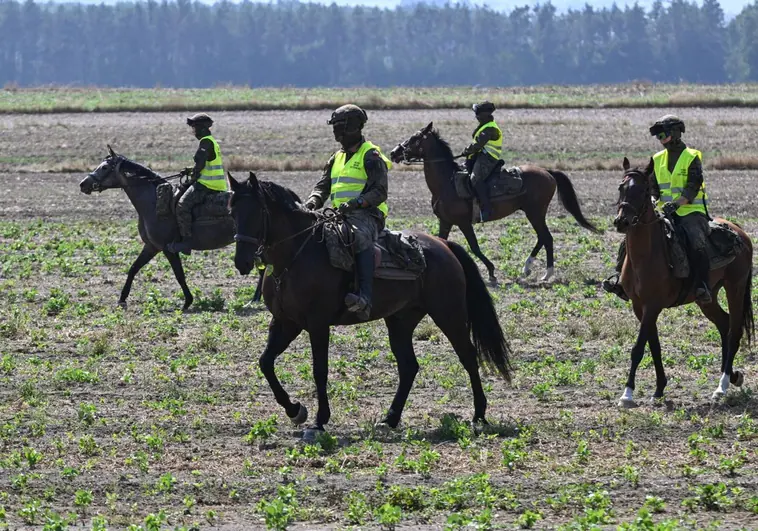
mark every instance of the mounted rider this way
{"type": "Point", "coordinates": [484, 154]}
{"type": "Point", "coordinates": [679, 191]}
{"type": "Point", "coordinates": [206, 177]}
{"type": "Point", "coordinates": [355, 179]}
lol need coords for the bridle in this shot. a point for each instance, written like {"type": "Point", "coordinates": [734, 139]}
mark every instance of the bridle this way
{"type": "Point", "coordinates": [127, 180]}
{"type": "Point", "coordinates": [646, 204]}
{"type": "Point", "coordinates": [418, 159]}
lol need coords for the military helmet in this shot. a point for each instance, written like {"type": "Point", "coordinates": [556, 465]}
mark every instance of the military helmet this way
{"type": "Point", "coordinates": [200, 119]}
{"type": "Point", "coordinates": [668, 124]}
{"type": "Point", "coordinates": [349, 114]}
{"type": "Point", "coordinates": [484, 107]}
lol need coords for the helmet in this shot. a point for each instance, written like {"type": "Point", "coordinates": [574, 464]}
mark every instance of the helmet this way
{"type": "Point", "coordinates": [484, 107]}
{"type": "Point", "coordinates": [351, 115]}
{"type": "Point", "coordinates": [200, 119]}
{"type": "Point", "coordinates": [668, 124]}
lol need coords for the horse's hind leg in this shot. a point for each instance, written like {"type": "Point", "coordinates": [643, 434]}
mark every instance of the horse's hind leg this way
{"type": "Point", "coordinates": [544, 238]}
{"type": "Point", "coordinates": [468, 231]}
{"type": "Point", "coordinates": [280, 334]}
{"type": "Point", "coordinates": [716, 314]}
{"type": "Point", "coordinates": [147, 254]}
{"type": "Point", "coordinates": [735, 296]}
{"type": "Point", "coordinates": [452, 322]}
{"type": "Point", "coordinates": [444, 229]}
{"type": "Point", "coordinates": [400, 328]}
{"type": "Point", "coordinates": [176, 266]}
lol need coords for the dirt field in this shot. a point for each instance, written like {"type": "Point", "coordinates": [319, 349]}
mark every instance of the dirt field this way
{"type": "Point", "coordinates": [153, 418]}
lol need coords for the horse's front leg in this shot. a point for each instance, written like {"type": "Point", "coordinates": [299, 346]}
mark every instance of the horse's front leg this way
{"type": "Point", "coordinates": [444, 229]}
{"type": "Point", "coordinates": [147, 254]}
{"type": "Point", "coordinates": [655, 351]}
{"type": "Point", "coordinates": [473, 243]}
{"type": "Point", "coordinates": [280, 334]}
{"type": "Point", "coordinates": [648, 318]}
{"type": "Point", "coordinates": [320, 352]}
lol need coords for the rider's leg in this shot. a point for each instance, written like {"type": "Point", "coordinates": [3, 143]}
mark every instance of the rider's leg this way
{"type": "Point", "coordinates": [366, 225]}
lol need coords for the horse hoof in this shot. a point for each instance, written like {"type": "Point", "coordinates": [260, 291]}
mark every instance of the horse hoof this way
{"type": "Point", "coordinates": [548, 274]}
{"type": "Point", "coordinates": [122, 305]}
{"type": "Point", "coordinates": [479, 425]}
{"type": "Point", "coordinates": [311, 434]}
{"type": "Point", "coordinates": [493, 280]}
{"type": "Point", "coordinates": [657, 401]}
{"type": "Point", "coordinates": [718, 394]}
{"type": "Point", "coordinates": [301, 416]}
{"type": "Point", "coordinates": [739, 379]}
{"type": "Point", "coordinates": [383, 427]}
{"type": "Point", "coordinates": [627, 403]}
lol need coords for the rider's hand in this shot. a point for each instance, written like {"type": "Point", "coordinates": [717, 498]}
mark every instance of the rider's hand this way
{"type": "Point", "coordinates": [670, 208]}
{"type": "Point", "coordinates": [186, 171]}
{"type": "Point", "coordinates": [310, 205]}
{"type": "Point", "coordinates": [347, 207]}
{"type": "Point", "coordinates": [470, 150]}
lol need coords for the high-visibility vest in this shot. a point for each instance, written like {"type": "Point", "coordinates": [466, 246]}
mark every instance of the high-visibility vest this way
{"type": "Point", "coordinates": [671, 184]}
{"type": "Point", "coordinates": [493, 147]}
{"type": "Point", "coordinates": [212, 175]}
{"type": "Point", "coordinates": [349, 179]}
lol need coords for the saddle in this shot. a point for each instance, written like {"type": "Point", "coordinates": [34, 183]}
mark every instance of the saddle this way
{"type": "Point", "coordinates": [397, 255]}
{"type": "Point", "coordinates": [214, 206]}
{"type": "Point", "coordinates": [724, 244]}
{"type": "Point", "coordinates": [502, 183]}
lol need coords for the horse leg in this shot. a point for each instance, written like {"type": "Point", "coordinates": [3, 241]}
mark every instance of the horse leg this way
{"type": "Point", "coordinates": [280, 334]}
{"type": "Point", "coordinates": [655, 350]}
{"type": "Point", "coordinates": [735, 296]}
{"type": "Point", "coordinates": [468, 231]}
{"type": "Point", "coordinates": [400, 329]}
{"type": "Point", "coordinates": [147, 254]}
{"type": "Point", "coordinates": [320, 353]}
{"type": "Point", "coordinates": [176, 266]}
{"type": "Point", "coordinates": [544, 238]}
{"type": "Point", "coordinates": [453, 325]}
{"type": "Point", "coordinates": [647, 318]}
{"type": "Point", "coordinates": [716, 314]}
{"type": "Point", "coordinates": [444, 230]}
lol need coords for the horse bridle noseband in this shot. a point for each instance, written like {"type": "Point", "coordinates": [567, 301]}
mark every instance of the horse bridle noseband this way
{"type": "Point", "coordinates": [646, 205]}
{"type": "Point", "coordinates": [128, 179]}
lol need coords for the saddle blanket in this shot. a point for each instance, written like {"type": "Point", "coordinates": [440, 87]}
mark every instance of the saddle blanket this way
{"type": "Point", "coordinates": [214, 206]}
{"type": "Point", "coordinates": [724, 244]}
{"type": "Point", "coordinates": [398, 255]}
{"type": "Point", "coordinates": [501, 184]}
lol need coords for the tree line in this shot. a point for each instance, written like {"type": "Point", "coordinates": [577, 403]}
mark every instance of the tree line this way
{"type": "Point", "coordinates": [188, 44]}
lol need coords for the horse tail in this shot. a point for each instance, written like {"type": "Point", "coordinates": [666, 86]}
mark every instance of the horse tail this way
{"type": "Point", "coordinates": [569, 200]}
{"type": "Point", "coordinates": [748, 323]}
{"type": "Point", "coordinates": [484, 327]}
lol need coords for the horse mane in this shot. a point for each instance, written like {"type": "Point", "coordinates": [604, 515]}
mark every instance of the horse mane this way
{"type": "Point", "coordinates": [139, 171]}
{"type": "Point", "coordinates": [447, 151]}
{"type": "Point", "coordinates": [281, 195]}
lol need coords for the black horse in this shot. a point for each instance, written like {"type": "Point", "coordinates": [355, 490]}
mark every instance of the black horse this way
{"type": "Point", "coordinates": [140, 183]}
{"type": "Point", "coordinates": [304, 292]}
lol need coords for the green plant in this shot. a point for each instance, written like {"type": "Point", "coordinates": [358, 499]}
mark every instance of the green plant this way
{"type": "Point", "coordinates": [388, 516]}
{"type": "Point", "coordinates": [528, 519]}
{"type": "Point", "coordinates": [358, 510]}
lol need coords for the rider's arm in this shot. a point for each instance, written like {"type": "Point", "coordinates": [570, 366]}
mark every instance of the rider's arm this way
{"type": "Point", "coordinates": [321, 191]}
{"type": "Point", "coordinates": [485, 136]}
{"type": "Point", "coordinates": [375, 191]}
{"type": "Point", "coordinates": [694, 181]}
{"type": "Point", "coordinates": [205, 152]}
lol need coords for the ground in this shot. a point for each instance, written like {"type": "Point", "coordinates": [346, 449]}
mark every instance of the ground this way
{"type": "Point", "coordinates": [157, 418]}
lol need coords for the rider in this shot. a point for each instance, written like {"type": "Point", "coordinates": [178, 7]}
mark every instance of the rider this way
{"type": "Point", "coordinates": [206, 177]}
{"type": "Point", "coordinates": [355, 179]}
{"type": "Point", "coordinates": [484, 154]}
{"type": "Point", "coordinates": [680, 192]}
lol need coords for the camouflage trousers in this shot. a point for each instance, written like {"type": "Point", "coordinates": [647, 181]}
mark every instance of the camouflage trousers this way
{"type": "Point", "coordinates": [366, 224]}
{"type": "Point", "coordinates": [695, 226]}
{"type": "Point", "coordinates": [480, 167]}
{"type": "Point", "coordinates": [195, 195]}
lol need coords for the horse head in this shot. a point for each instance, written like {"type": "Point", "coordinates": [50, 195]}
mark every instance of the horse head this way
{"type": "Point", "coordinates": [412, 149]}
{"type": "Point", "coordinates": [106, 175]}
{"type": "Point", "coordinates": [248, 208]}
{"type": "Point", "coordinates": [634, 198]}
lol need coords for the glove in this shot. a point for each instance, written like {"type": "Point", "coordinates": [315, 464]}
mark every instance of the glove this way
{"type": "Point", "coordinates": [470, 150]}
{"type": "Point", "coordinates": [670, 208]}
{"type": "Point", "coordinates": [186, 171]}
{"type": "Point", "coordinates": [310, 205]}
{"type": "Point", "coordinates": [346, 208]}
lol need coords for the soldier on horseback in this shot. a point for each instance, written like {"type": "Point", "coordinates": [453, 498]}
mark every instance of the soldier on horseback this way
{"type": "Point", "coordinates": [484, 154]}
{"type": "Point", "coordinates": [355, 179]}
{"type": "Point", "coordinates": [205, 178]}
{"type": "Point", "coordinates": [679, 190]}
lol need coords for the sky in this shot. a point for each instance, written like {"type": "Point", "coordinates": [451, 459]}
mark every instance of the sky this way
{"type": "Point", "coordinates": [730, 7]}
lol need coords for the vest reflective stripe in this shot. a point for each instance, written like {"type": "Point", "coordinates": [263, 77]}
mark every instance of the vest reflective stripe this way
{"type": "Point", "coordinates": [493, 147]}
{"type": "Point", "coordinates": [673, 184]}
{"type": "Point", "coordinates": [349, 176]}
{"type": "Point", "coordinates": [212, 175]}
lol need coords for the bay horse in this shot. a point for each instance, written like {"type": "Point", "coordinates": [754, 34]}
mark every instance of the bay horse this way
{"type": "Point", "coordinates": [140, 184]}
{"type": "Point", "coordinates": [651, 286]}
{"type": "Point", "coordinates": [304, 292]}
{"type": "Point", "coordinates": [539, 188]}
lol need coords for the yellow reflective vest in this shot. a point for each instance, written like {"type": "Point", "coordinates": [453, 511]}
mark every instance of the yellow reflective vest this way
{"type": "Point", "coordinates": [493, 147]}
{"type": "Point", "coordinates": [671, 184]}
{"type": "Point", "coordinates": [349, 179]}
{"type": "Point", "coordinates": [212, 176]}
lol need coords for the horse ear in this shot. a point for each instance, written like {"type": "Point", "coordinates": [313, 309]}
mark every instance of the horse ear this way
{"type": "Point", "coordinates": [429, 127]}
{"type": "Point", "coordinates": [626, 164]}
{"type": "Point", "coordinates": [110, 150]}
{"type": "Point", "coordinates": [252, 181]}
{"type": "Point", "coordinates": [233, 183]}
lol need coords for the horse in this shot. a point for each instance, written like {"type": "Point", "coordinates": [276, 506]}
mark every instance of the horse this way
{"type": "Point", "coordinates": [304, 292]}
{"type": "Point", "coordinates": [539, 187]}
{"type": "Point", "coordinates": [651, 286]}
{"type": "Point", "coordinates": [140, 184]}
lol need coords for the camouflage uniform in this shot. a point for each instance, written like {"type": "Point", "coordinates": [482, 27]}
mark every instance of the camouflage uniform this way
{"type": "Point", "coordinates": [480, 164]}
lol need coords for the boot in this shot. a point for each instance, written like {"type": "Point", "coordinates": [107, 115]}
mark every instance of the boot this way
{"type": "Point", "coordinates": [612, 285]}
{"type": "Point", "coordinates": [182, 245]}
{"type": "Point", "coordinates": [701, 268]}
{"type": "Point", "coordinates": [485, 206]}
{"type": "Point", "coordinates": [360, 303]}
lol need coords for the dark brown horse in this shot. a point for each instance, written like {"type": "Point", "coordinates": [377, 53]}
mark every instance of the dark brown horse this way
{"type": "Point", "coordinates": [540, 185]}
{"type": "Point", "coordinates": [304, 292]}
{"type": "Point", "coordinates": [651, 286]}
